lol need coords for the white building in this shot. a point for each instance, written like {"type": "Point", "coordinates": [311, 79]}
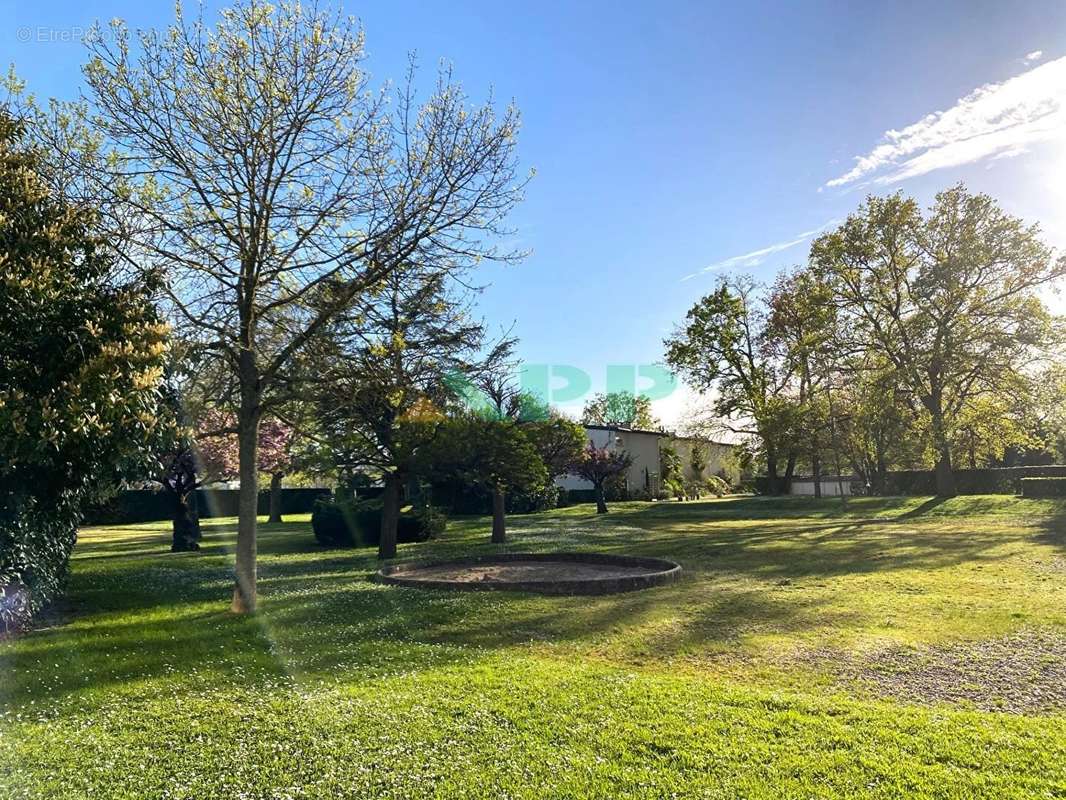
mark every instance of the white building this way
{"type": "Point", "coordinates": [643, 446]}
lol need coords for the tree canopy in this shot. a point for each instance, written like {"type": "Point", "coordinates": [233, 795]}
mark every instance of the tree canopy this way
{"type": "Point", "coordinates": [81, 357]}
{"type": "Point", "coordinates": [909, 338]}
{"type": "Point", "coordinates": [722, 348]}
{"type": "Point", "coordinates": [623, 409]}
{"type": "Point", "coordinates": [949, 299]}
{"type": "Point", "coordinates": [491, 453]}
{"type": "Point", "coordinates": [387, 378]}
{"type": "Point", "coordinates": [253, 166]}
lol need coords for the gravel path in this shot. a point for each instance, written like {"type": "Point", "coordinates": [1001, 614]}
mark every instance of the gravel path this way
{"type": "Point", "coordinates": [1021, 673]}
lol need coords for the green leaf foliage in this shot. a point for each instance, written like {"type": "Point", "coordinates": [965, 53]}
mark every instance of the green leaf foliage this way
{"type": "Point", "coordinates": [80, 358]}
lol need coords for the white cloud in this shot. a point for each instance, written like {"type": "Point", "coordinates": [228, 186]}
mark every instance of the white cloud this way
{"type": "Point", "coordinates": [997, 120]}
{"type": "Point", "coordinates": [1036, 55]}
{"type": "Point", "coordinates": [756, 257]}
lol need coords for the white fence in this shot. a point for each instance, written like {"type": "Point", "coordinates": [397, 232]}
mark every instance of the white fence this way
{"type": "Point", "coordinates": [831, 486]}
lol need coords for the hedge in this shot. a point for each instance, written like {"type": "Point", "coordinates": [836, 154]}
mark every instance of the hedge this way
{"type": "Point", "coordinates": [348, 524]}
{"type": "Point", "coordinates": [762, 485]}
{"type": "Point", "coordinates": [1043, 487]}
{"type": "Point", "coordinates": [35, 546]}
{"type": "Point", "coordinates": [992, 480]}
{"type": "Point", "coordinates": [148, 505]}
{"type": "Point", "coordinates": [459, 498]}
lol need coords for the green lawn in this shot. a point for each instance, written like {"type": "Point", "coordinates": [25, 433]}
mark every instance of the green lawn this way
{"type": "Point", "coordinates": [900, 647]}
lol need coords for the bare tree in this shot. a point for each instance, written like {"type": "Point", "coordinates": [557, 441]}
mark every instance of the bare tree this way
{"type": "Point", "coordinates": [252, 166]}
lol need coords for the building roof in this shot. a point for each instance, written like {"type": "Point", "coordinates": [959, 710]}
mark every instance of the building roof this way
{"type": "Point", "coordinates": [621, 429]}
{"type": "Point", "coordinates": [701, 439]}
{"type": "Point", "coordinates": [663, 434]}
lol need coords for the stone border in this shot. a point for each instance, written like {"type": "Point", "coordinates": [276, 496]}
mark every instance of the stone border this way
{"type": "Point", "coordinates": [661, 571]}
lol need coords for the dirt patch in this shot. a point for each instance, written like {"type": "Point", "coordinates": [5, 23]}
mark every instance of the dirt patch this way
{"type": "Point", "coordinates": [1021, 673]}
{"type": "Point", "coordinates": [1054, 566]}
{"type": "Point", "coordinates": [558, 573]}
{"type": "Point", "coordinates": [517, 571]}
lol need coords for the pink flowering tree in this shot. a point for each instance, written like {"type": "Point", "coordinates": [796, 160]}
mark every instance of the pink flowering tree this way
{"type": "Point", "coordinates": [195, 456]}
{"type": "Point", "coordinates": [276, 458]}
{"type": "Point", "coordinates": [598, 465]}
{"type": "Point", "coordinates": [207, 452]}
{"type": "Point", "coordinates": [216, 447]}
{"type": "Point", "coordinates": [218, 453]}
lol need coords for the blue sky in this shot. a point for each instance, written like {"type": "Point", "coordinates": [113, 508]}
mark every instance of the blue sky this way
{"type": "Point", "coordinates": [676, 136]}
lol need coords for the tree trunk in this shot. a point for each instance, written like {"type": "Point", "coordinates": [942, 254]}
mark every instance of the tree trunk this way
{"type": "Point", "coordinates": [390, 516]}
{"type": "Point", "coordinates": [499, 520]}
{"type": "Point", "coordinates": [790, 469]}
{"type": "Point", "coordinates": [816, 470]}
{"type": "Point", "coordinates": [244, 592]}
{"type": "Point", "coordinates": [771, 472]}
{"type": "Point", "coordinates": [881, 460]}
{"type": "Point", "coordinates": [945, 475]}
{"type": "Point", "coordinates": [275, 497]}
{"type": "Point", "coordinates": [186, 522]}
{"type": "Point", "coordinates": [601, 505]}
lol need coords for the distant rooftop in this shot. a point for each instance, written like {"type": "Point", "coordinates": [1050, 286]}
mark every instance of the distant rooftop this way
{"type": "Point", "coordinates": [665, 433]}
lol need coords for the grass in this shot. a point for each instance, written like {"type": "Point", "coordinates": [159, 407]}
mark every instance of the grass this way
{"type": "Point", "coordinates": [727, 684]}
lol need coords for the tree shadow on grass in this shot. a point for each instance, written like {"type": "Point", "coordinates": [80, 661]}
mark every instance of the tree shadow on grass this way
{"type": "Point", "coordinates": [809, 549]}
{"type": "Point", "coordinates": [147, 618]}
{"type": "Point", "coordinates": [99, 652]}
{"type": "Point", "coordinates": [1053, 531]}
{"type": "Point", "coordinates": [762, 508]}
{"type": "Point", "coordinates": [929, 505]}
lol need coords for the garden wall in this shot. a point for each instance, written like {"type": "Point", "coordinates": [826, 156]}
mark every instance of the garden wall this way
{"type": "Point", "coordinates": [997, 480]}
{"type": "Point", "coordinates": [994, 480]}
{"type": "Point", "coordinates": [147, 505]}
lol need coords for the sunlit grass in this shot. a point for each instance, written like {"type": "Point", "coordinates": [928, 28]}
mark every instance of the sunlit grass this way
{"type": "Point", "coordinates": [143, 685]}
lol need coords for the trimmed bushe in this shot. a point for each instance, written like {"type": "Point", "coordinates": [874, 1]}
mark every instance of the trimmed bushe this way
{"type": "Point", "coordinates": [342, 523]}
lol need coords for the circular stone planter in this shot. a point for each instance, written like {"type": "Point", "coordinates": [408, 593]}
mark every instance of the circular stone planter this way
{"type": "Point", "coordinates": [544, 573]}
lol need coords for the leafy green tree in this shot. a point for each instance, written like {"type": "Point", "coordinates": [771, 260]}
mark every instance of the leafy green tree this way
{"type": "Point", "coordinates": [81, 356]}
{"type": "Point", "coordinates": [802, 331]}
{"type": "Point", "coordinates": [722, 347]}
{"type": "Point", "coordinates": [558, 441]}
{"type": "Point", "coordinates": [879, 428]}
{"type": "Point", "coordinates": [949, 299]}
{"type": "Point", "coordinates": [251, 162]}
{"type": "Point", "coordinates": [494, 454]}
{"type": "Point", "coordinates": [1046, 411]}
{"type": "Point", "coordinates": [387, 378]}
{"type": "Point", "coordinates": [697, 462]}
{"type": "Point", "coordinates": [986, 428]}
{"type": "Point", "coordinates": [622, 409]}
{"type": "Point", "coordinates": [672, 471]}
{"type": "Point", "coordinates": [499, 396]}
